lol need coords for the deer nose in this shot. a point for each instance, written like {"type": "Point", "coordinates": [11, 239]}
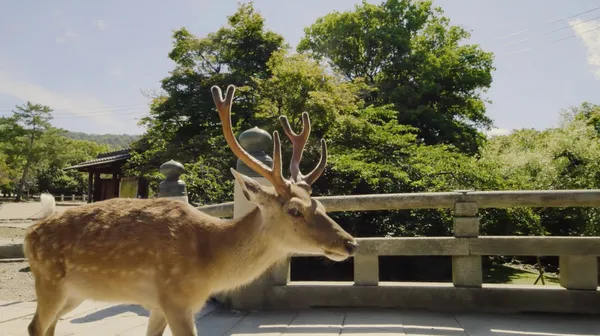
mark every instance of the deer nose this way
{"type": "Point", "coordinates": [351, 247]}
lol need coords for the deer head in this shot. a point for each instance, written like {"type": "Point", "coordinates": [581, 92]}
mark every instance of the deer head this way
{"type": "Point", "coordinates": [298, 222]}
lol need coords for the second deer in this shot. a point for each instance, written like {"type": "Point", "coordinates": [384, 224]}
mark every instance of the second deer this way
{"type": "Point", "coordinates": [170, 257]}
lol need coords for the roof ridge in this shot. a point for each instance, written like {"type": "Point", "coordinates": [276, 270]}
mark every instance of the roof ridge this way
{"type": "Point", "coordinates": [113, 153]}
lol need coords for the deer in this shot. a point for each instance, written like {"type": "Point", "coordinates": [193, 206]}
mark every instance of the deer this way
{"type": "Point", "coordinates": [168, 256]}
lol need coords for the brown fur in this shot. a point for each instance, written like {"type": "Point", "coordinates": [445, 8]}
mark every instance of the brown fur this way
{"type": "Point", "coordinates": [168, 256]}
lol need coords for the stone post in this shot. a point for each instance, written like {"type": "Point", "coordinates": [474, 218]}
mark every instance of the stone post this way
{"type": "Point", "coordinates": [172, 186]}
{"type": "Point", "coordinates": [253, 296]}
{"type": "Point", "coordinates": [578, 272]}
{"type": "Point", "coordinates": [255, 141]}
{"type": "Point", "coordinates": [466, 270]}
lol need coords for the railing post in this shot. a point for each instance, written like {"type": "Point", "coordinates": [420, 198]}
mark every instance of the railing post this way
{"type": "Point", "coordinates": [254, 296]}
{"type": "Point", "coordinates": [172, 186]}
{"type": "Point", "coordinates": [466, 270]}
{"type": "Point", "coordinates": [578, 272]}
{"type": "Point", "coordinates": [366, 269]}
{"type": "Point", "coordinates": [255, 141]}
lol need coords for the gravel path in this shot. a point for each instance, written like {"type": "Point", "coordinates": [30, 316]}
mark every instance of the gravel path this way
{"type": "Point", "coordinates": [16, 282]}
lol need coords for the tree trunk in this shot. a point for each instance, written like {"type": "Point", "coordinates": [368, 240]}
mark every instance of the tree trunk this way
{"type": "Point", "coordinates": [27, 166]}
{"type": "Point", "coordinates": [23, 179]}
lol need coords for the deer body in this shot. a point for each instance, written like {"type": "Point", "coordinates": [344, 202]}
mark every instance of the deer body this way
{"type": "Point", "coordinates": [148, 243]}
{"type": "Point", "coordinates": [170, 257]}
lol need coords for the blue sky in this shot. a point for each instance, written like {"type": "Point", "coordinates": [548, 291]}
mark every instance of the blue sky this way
{"type": "Point", "coordinates": [92, 61]}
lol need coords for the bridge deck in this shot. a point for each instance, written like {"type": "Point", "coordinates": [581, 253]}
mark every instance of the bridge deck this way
{"type": "Point", "coordinates": [93, 318]}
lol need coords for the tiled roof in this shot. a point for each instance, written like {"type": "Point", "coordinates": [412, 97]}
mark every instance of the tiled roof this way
{"type": "Point", "coordinates": [103, 158]}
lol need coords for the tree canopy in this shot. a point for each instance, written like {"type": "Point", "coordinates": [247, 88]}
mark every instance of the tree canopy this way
{"type": "Point", "coordinates": [411, 57]}
{"type": "Point", "coordinates": [33, 153]}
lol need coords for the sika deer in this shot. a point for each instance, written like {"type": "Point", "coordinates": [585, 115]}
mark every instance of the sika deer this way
{"type": "Point", "coordinates": [170, 257]}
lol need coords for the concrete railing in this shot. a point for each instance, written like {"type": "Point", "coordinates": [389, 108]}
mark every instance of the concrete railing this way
{"type": "Point", "coordinates": [577, 292]}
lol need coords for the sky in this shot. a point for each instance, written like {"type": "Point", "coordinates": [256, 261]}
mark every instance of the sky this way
{"type": "Point", "coordinates": [95, 62]}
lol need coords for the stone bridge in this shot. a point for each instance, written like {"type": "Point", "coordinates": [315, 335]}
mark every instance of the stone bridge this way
{"type": "Point", "coordinates": [275, 305]}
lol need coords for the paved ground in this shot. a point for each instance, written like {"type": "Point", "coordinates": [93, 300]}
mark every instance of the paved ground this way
{"type": "Point", "coordinates": [12, 211]}
{"type": "Point", "coordinates": [93, 318]}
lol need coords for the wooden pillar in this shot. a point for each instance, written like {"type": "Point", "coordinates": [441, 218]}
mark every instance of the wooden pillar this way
{"type": "Point", "coordinates": [115, 182]}
{"type": "Point", "coordinates": [90, 186]}
{"type": "Point", "coordinates": [97, 187]}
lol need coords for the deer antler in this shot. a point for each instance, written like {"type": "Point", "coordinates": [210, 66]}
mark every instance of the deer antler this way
{"type": "Point", "coordinates": [298, 143]}
{"type": "Point", "coordinates": [274, 175]}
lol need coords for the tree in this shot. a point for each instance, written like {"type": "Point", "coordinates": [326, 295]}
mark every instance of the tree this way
{"type": "Point", "coordinates": [370, 151]}
{"type": "Point", "coordinates": [184, 123]}
{"type": "Point", "coordinates": [4, 171]}
{"type": "Point", "coordinates": [25, 127]}
{"type": "Point", "coordinates": [565, 157]}
{"type": "Point", "coordinates": [411, 57]}
{"type": "Point", "coordinates": [61, 152]}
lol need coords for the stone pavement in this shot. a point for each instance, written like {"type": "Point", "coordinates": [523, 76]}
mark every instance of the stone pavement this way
{"type": "Point", "coordinates": [14, 211]}
{"type": "Point", "coordinates": [93, 318]}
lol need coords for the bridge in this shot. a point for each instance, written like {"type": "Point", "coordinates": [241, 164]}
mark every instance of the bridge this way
{"type": "Point", "coordinates": [275, 305]}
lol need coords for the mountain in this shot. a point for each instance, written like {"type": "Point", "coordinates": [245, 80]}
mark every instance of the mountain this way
{"type": "Point", "coordinates": [114, 141]}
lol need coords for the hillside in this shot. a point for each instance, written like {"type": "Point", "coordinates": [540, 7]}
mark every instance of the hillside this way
{"type": "Point", "coordinates": [114, 141]}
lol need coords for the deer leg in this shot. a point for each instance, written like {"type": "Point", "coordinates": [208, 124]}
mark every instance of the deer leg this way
{"type": "Point", "coordinates": [157, 323]}
{"type": "Point", "coordinates": [180, 319]}
{"type": "Point", "coordinates": [50, 299]}
{"type": "Point", "coordinates": [68, 307]}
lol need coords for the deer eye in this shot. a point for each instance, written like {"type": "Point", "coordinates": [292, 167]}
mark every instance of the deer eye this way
{"type": "Point", "coordinates": [295, 212]}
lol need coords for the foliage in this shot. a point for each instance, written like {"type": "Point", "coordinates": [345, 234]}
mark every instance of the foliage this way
{"type": "Point", "coordinates": [411, 57]}
{"type": "Point", "coordinates": [565, 157]}
{"type": "Point", "coordinates": [33, 153]}
{"type": "Point", "coordinates": [62, 152]}
{"type": "Point", "coordinates": [184, 124]}
{"type": "Point", "coordinates": [113, 141]}
{"type": "Point", "coordinates": [26, 126]}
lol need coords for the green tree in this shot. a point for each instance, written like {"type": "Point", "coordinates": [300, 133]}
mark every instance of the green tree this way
{"type": "Point", "coordinates": [370, 151]}
{"type": "Point", "coordinates": [184, 123]}
{"type": "Point", "coordinates": [26, 126]}
{"type": "Point", "coordinates": [565, 157]}
{"type": "Point", "coordinates": [61, 152]}
{"type": "Point", "coordinates": [412, 58]}
{"type": "Point", "coordinates": [4, 171]}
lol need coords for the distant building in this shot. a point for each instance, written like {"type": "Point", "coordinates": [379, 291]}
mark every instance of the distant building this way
{"type": "Point", "coordinates": [106, 179]}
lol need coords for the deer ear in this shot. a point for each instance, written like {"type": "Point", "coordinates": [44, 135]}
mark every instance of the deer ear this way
{"type": "Point", "coordinates": [250, 187]}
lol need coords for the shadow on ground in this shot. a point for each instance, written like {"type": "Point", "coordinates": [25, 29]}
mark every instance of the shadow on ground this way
{"type": "Point", "coordinates": [110, 312]}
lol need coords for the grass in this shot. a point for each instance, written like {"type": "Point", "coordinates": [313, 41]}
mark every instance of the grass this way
{"type": "Point", "coordinates": [502, 274]}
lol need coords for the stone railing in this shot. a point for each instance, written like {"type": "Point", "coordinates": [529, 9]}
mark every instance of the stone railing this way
{"type": "Point", "coordinates": [578, 260]}
{"type": "Point", "coordinates": [577, 293]}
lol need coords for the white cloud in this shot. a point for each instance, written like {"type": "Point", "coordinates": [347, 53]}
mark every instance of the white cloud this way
{"type": "Point", "coordinates": [591, 40]}
{"type": "Point", "coordinates": [68, 35]}
{"type": "Point", "coordinates": [100, 24]}
{"type": "Point", "coordinates": [498, 131]}
{"type": "Point", "coordinates": [76, 105]}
